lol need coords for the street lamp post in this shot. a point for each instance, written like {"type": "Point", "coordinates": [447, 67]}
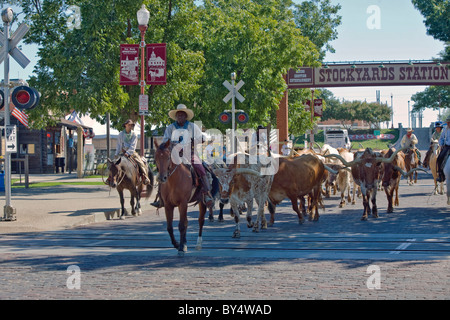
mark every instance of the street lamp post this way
{"type": "Point", "coordinates": [143, 16]}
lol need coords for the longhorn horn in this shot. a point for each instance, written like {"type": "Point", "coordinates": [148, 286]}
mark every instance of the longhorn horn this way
{"type": "Point", "coordinates": [338, 156]}
{"type": "Point", "coordinates": [331, 170]}
{"type": "Point", "coordinates": [391, 158]}
{"type": "Point", "coordinates": [247, 171]}
{"type": "Point", "coordinates": [406, 174]}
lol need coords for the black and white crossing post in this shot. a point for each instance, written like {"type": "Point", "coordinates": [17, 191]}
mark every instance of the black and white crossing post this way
{"type": "Point", "coordinates": [232, 95]}
{"type": "Point", "coordinates": [9, 48]}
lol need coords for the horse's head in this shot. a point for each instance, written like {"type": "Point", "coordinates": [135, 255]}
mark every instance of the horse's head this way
{"type": "Point", "coordinates": [114, 172]}
{"type": "Point", "coordinates": [163, 160]}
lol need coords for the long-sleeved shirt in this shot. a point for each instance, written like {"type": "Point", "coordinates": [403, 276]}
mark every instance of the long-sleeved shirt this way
{"type": "Point", "coordinates": [444, 140]}
{"type": "Point", "coordinates": [180, 136]}
{"type": "Point", "coordinates": [126, 141]}
{"type": "Point", "coordinates": [409, 141]}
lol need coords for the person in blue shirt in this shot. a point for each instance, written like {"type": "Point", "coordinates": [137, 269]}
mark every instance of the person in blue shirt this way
{"type": "Point", "coordinates": [444, 143]}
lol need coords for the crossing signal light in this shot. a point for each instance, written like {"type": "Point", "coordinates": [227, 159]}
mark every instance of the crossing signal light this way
{"type": "Point", "coordinates": [24, 97]}
{"type": "Point", "coordinates": [242, 117]}
{"type": "Point", "coordinates": [225, 117]}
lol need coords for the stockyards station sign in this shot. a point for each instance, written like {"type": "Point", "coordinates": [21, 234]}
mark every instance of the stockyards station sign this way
{"type": "Point", "coordinates": [356, 75]}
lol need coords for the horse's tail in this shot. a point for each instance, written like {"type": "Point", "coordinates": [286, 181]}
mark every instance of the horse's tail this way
{"type": "Point", "coordinates": [149, 188]}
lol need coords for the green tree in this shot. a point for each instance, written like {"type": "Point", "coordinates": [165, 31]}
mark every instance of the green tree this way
{"type": "Point", "coordinates": [434, 97]}
{"type": "Point", "coordinates": [260, 42]}
{"type": "Point", "coordinates": [79, 69]}
{"type": "Point", "coordinates": [258, 39]}
{"type": "Point", "coordinates": [437, 15]}
{"type": "Point", "coordinates": [318, 20]}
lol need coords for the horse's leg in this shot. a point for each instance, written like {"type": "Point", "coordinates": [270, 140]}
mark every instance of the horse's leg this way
{"type": "Point", "coordinates": [169, 218]}
{"type": "Point", "coordinates": [201, 222]}
{"type": "Point", "coordinates": [138, 200]}
{"type": "Point", "coordinates": [122, 203]}
{"type": "Point", "coordinates": [133, 209]}
{"type": "Point", "coordinates": [182, 227]}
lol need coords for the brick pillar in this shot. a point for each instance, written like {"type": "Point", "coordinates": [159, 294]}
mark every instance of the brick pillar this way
{"type": "Point", "coordinates": [283, 117]}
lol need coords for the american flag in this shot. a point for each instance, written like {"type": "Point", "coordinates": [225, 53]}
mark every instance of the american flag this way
{"type": "Point", "coordinates": [21, 116]}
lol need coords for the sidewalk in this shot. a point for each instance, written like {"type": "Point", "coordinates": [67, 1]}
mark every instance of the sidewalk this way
{"type": "Point", "coordinates": [63, 206]}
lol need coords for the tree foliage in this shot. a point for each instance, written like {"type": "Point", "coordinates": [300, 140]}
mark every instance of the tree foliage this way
{"type": "Point", "coordinates": [437, 15]}
{"type": "Point", "coordinates": [258, 39]}
{"type": "Point", "coordinates": [371, 112]}
{"type": "Point", "coordinates": [434, 97]}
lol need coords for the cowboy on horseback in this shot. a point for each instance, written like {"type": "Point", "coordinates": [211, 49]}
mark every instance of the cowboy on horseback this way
{"type": "Point", "coordinates": [444, 143]}
{"type": "Point", "coordinates": [410, 140]}
{"type": "Point", "coordinates": [182, 116]}
{"type": "Point", "coordinates": [434, 139]}
{"type": "Point", "coordinates": [126, 145]}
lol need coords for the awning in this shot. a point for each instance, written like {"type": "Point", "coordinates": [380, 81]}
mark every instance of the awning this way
{"type": "Point", "coordinates": [72, 125]}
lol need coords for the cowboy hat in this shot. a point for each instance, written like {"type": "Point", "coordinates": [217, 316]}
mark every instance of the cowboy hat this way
{"type": "Point", "coordinates": [409, 130]}
{"type": "Point", "coordinates": [129, 121]}
{"type": "Point", "coordinates": [181, 107]}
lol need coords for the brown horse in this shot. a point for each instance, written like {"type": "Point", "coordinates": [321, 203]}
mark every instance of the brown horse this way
{"type": "Point", "coordinates": [411, 162]}
{"type": "Point", "coordinates": [177, 189]}
{"type": "Point", "coordinates": [124, 174]}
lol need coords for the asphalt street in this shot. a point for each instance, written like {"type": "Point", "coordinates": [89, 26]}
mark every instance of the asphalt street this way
{"type": "Point", "coordinates": [402, 255]}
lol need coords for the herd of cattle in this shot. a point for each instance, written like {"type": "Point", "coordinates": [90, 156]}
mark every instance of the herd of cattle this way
{"type": "Point", "coordinates": [308, 173]}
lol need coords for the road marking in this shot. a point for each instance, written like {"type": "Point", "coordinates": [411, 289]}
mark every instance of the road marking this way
{"type": "Point", "coordinates": [403, 246]}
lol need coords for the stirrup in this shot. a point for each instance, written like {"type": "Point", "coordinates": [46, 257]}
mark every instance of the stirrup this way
{"type": "Point", "coordinates": [156, 204]}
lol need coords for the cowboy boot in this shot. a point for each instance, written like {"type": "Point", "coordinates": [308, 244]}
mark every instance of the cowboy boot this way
{"type": "Point", "coordinates": [206, 191]}
{"type": "Point", "coordinates": [158, 203]}
{"type": "Point", "coordinates": [144, 175]}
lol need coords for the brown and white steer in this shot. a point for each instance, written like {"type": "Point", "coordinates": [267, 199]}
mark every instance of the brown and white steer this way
{"type": "Point", "coordinates": [243, 183]}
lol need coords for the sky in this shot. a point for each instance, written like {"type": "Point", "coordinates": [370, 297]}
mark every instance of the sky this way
{"type": "Point", "coordinates": [400, 35]}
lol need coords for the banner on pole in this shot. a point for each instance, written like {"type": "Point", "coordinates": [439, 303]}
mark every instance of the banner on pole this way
{"type": "Point", "coordinates": [156, 63]}
{"type": "Point", "coordinates": [129, 64]}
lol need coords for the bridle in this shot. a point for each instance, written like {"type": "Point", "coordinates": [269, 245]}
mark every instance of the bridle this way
{"type": "Point", "coordinates": [170, 168]}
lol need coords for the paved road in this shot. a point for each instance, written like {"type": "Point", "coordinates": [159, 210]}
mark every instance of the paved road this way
{"type": "Point", "coordinates": [403, 255]}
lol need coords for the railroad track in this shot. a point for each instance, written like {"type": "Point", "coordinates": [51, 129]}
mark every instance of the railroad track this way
{"type": "Point", "coordinates": [220, 244]}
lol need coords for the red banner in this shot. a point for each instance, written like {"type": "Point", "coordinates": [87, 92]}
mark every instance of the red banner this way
{"type": "Point", "coordinates": [129, 64]}
{"type": "Point", "coordinates": [156, 63]}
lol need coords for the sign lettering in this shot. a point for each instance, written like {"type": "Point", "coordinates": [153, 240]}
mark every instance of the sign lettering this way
{"type": "Point", "coordinates": [369, 75]}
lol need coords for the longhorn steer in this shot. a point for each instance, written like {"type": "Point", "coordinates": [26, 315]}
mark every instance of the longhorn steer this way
{"type": "Point", "coordinates": [391, 178]}
{"type": "Point", "coordinates": [366, 170]}
{"type": "Point", "coordinates": [344, 179]}
{"type": "Point", "coordinates": [297, 177]}
{"type": "Point", "coordinates": [241, 184]}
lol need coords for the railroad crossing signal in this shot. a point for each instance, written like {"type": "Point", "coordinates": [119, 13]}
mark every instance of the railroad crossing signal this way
{"type": "Point", "coordinates": [21, 59]}
{"type": "Point", "coordinates": [242, 117]}
{"type": "Point", "coordinates": [233, 91]}
{"type": "Point", "coordinates": [24, 97]}
{"type": "Point", "coordinates": [225, 117]}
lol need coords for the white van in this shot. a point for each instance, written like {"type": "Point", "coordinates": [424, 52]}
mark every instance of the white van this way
{"type": "Point", "coordinates": [338, 138]}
